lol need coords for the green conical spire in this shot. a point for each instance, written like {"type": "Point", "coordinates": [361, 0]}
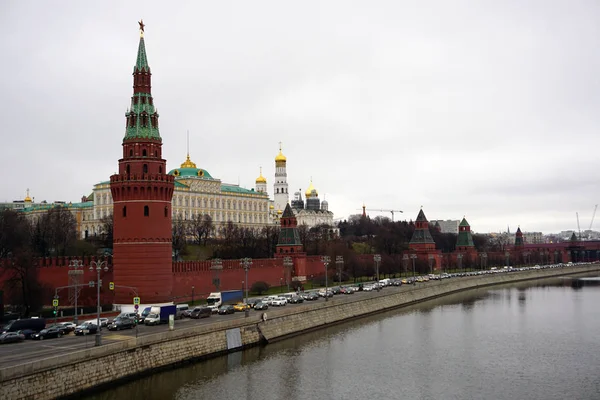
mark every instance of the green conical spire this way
{"type": "Point", "coordinates": [142, 61]}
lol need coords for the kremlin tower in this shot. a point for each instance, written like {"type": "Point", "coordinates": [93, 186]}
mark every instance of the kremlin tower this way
{"type": "Point", "coordinates": [280, 188]}
{"type": "Point", "coordinates": [142, 192]}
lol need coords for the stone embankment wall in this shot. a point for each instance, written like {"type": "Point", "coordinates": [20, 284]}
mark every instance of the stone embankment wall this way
{"type": "Point", "coordinates": [82, 370]}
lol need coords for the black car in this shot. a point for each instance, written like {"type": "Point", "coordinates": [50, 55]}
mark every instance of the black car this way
{"type": "Point", "coordinates": [86, 329]}
{"type": "Point", "coordinates": [200, 312]}
{"type": "Point", "coordinates": [63, 329]}
{"type": "Point", "coordinates": [296, 299]}
{"type": "Point", "coordinates": [47, 334]}
{"type": "Point", "coordinates": [121, 323]}
{"type": "Point", "coordinates": [261, 306]}
{"type": "Point", "coordinates": [226, 309]}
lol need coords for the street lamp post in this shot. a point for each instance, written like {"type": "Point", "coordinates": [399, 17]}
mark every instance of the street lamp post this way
{"type": "Point", "coordinates": [217, 266]}
{"type": "Point", "coordinates": [288, 263]}
{"type": "Point", "coordinates": [98, 266]}
{"type": "Point", "coordinates": [405, 264]}
{"type": "Point", "coordinates": [483, 257]}
{"type": "Point", "coordinates": [414, 257]}
{"type": "Point", "coordinates": [339, 262]}
{"type": "Point", "coordinates": [74, 273]}
{"type": "Point", "coordinates": [377, 259]}
{"type": "Point", "coordinates": [326, 260]}
{"type": "Point", "coordinates": [246, 263]}
{"type": "Point", "coordinates": [459, 257]}
{"type": "Point", "coordinates": [193, 295]}
{"type": "Point", "coordinates": [507, 255]}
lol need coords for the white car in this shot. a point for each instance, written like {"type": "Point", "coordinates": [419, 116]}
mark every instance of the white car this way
{"type": "Point", "coordinates": [368, 288]}
{"type": "Point", "coordinates": [280, 301]}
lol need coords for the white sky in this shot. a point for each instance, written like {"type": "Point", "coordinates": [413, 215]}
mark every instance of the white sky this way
{"type": "Point", "coordinates": [488, 109]}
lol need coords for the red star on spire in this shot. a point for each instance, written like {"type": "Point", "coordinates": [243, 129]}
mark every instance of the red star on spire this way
{"type": "Point", "coordinates": [141, 23]}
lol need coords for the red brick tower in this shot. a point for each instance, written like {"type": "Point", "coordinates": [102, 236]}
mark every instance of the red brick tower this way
{"type": "Point", "coordinates": [142, 192]}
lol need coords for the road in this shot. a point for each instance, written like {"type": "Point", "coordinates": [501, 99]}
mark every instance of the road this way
{"type": "Point", "coordinates": [31, 350]}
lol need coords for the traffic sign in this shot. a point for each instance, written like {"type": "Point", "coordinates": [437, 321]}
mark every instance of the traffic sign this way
{"type": "Point", "coordinates": [136, 307]}
{"type": "Point", "coordinates": [111, 285]}
{"type": "Point", "coordinates": [136, 300]}
{"type": "Point", "coordinates": [55, 303]}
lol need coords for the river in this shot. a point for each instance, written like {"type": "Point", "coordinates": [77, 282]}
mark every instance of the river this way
{"type": "Point", "coordinates": [535, 340]}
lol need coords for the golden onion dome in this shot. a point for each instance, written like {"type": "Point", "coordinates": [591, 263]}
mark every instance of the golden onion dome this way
{"type": "Point", "coordinates": [280, 157]}
{"type": "Point", "coordinates": [261, 178]}
{"type": "Point", "coordinates": [27, 198]}
{"type": "Point", "coordinates": [188, 163]}
{"type": "Point", "coordinates": [271, 207]}
{"type": "Point", "coordinates": [309, 191]}
{"type": "Point", "coordinates": [279, 212]}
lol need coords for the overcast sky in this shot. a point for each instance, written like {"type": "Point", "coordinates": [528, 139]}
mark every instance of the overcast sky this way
{"type": "Point", "coordinates": [484, 109]}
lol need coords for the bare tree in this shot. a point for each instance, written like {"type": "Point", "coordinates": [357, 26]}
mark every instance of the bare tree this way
{"type": "Point", "coordinates": [201, 228]}
{"type": "Point", "coordinates": [180, 233]}
{"type": "Point", "coordinates": [107, 230]}
{"type": "Point", "coordinates": [59, 227]}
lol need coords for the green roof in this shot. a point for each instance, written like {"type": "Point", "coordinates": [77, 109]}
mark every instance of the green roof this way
{"type": "Point", "coordinates": [464, 239]}
{"type": "Point", "coordinates": [48, 206]}
{"type": "Point", "coordinates": [138, 108]}
{"type": "Point", "coordinates": [464, 222]}
{"type": "Point", "coordinates": [237, 189]}
{"type": "Point", "coordinates": [141, 61]}
{"type": "Point", "coordinates": [180, 184]}
{"type": "Point", "coordinates": [190, 172]}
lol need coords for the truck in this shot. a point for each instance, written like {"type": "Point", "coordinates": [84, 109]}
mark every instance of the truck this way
{"type": "Point", "coordinates": [217, 299]}
{"type": "Point", "coordinates": [160, 314]}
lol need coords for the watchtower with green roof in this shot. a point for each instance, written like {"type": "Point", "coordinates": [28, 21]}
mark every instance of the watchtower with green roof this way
{"type": "Point", "coordinates": [519, 238]}
{"type": "Point", "coordinates": [421, 238]}
{"type": "Point", "coordinates": [464, 241]}
{"type": "Point", "coordinates": [142, 192]}
{"type": "Point", "coordinates": [289, 237]}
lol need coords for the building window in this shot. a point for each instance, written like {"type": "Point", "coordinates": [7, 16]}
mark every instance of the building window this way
{"type": "Point", "coordinates": [144, 153]}
{"type": "Point", "coordinates": [166, 212]}
{"type": "Point", "coordinates": [160, 170]}
{"type": "Point", "coordinates": [131, 153]}
{"type": "Point", "coordinates": [146, 211]}
{"type": "Point", "coordinates": [145, 167]}
{"type": "Point", "coordinates": [124, 211]}
{"type": "Point", "coordinates": [155, 153]}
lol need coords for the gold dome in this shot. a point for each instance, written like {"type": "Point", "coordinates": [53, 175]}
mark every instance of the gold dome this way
{"type": "Point", "coordinates": [188, 163]}
{"type": "Point", "coordinates": [27, 198]}
{"type": "Point", "coordinates": [280, 157]}
{"type": "Point", "coordinates": [279, 212]}
{"type": "Point", "coordinates": [309, 191]}
{"type": "Point", "coordinates": [271, 207]}
{"type": "Point", "coordinates": [261, 178]}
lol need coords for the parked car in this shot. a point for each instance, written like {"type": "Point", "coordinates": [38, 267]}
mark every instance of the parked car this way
{"type": "Point", "coordinates": [280, 301]}
{"type": "Point", "coordinates": [26, 333]}
{"type": "Point", "coordinates": [48, 333]}
{"type": "Point", "coordinates": [226, 309]}
{"type": "Point", "coordinates": [261, 306]}
{"type": "Point", "coordinates": [121, 323]}
{"type": "Point", "coordinates": [63, 330]}
{"type": "Point", "coordinates": [11, 337]}
{"type": "Point", "coordinates": [68, 326]}
{"type": "Point", "coordinates": [131, 315]}
{"type": "Point", "coordinates": [200, 312]}
{"type": "Point", "coordinates": [35, 324]}
{"type": "Point", "coordinates": [296, 300]}
{"type": "Point", "coordinates": [86, 328]}
{"type": "Point", "coordinates": [241, 307]}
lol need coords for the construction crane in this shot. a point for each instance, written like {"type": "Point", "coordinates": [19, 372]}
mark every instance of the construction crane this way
{"type": "Point", "coordinates": [593, 216]}
{"type": "Point", "coordinates": [578, 227]}
{"type": "Point", "coordinates": [381, 210]}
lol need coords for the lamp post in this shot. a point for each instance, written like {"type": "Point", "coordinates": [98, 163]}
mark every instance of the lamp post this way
{"type": "Point", "coordinates": [326, 260]}
{"type": "Point", "coordinates": [193, 295]}
{"type": "Point", "coordinates": [246, 263]}
{"type": "Point", "coordinates": [405, 263]}
{"type": "Point", "coordinates": [339, 262]}
{"type": "Point", "coordinates": [547, 257]}
{"type": "Point", "coordinates": [216, 265]}
{"type": "Point", "coordinates": [459, 257]}
{"type": "Point", "coordinates": [507, 255]}
{"type": "Point", "coordinates": [288, 263]}
{"type": "Point", "coordinates": [525, 256]}
{"type": "Point", "coordinates": [441, 266]}
{"type": "Point", "coordinates": [483, 257]}
{"type": "Point", "coordinates": [414, 257]}
{"type": "Point", "coordinates": [377, 259]}
{"type": "Point", "coordinates": [556, 256]}
{"type": "Point", "coordinates": [280, 285]}
{"type": "Point", "coordinates": [74, 273]}
{"type": "Point", "coordinates": [98, 266]}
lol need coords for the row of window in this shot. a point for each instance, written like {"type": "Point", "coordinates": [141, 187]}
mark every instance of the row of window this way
{"type": "Point", "coordinates": [223, 216]}
{"type": "Point", "coordinates": [217, 203]}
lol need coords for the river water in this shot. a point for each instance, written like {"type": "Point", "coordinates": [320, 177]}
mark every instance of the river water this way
{"type": "Point", "coordinates": [537, 340]}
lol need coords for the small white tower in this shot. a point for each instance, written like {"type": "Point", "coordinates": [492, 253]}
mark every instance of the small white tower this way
{"type": "Point", "coordinates": [280, 188]}
{"type": "Point", "coordinates": [261, 183]}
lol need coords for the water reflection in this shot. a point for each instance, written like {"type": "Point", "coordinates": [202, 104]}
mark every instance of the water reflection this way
{"type": "Point", "coordinates": [468, 345]}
